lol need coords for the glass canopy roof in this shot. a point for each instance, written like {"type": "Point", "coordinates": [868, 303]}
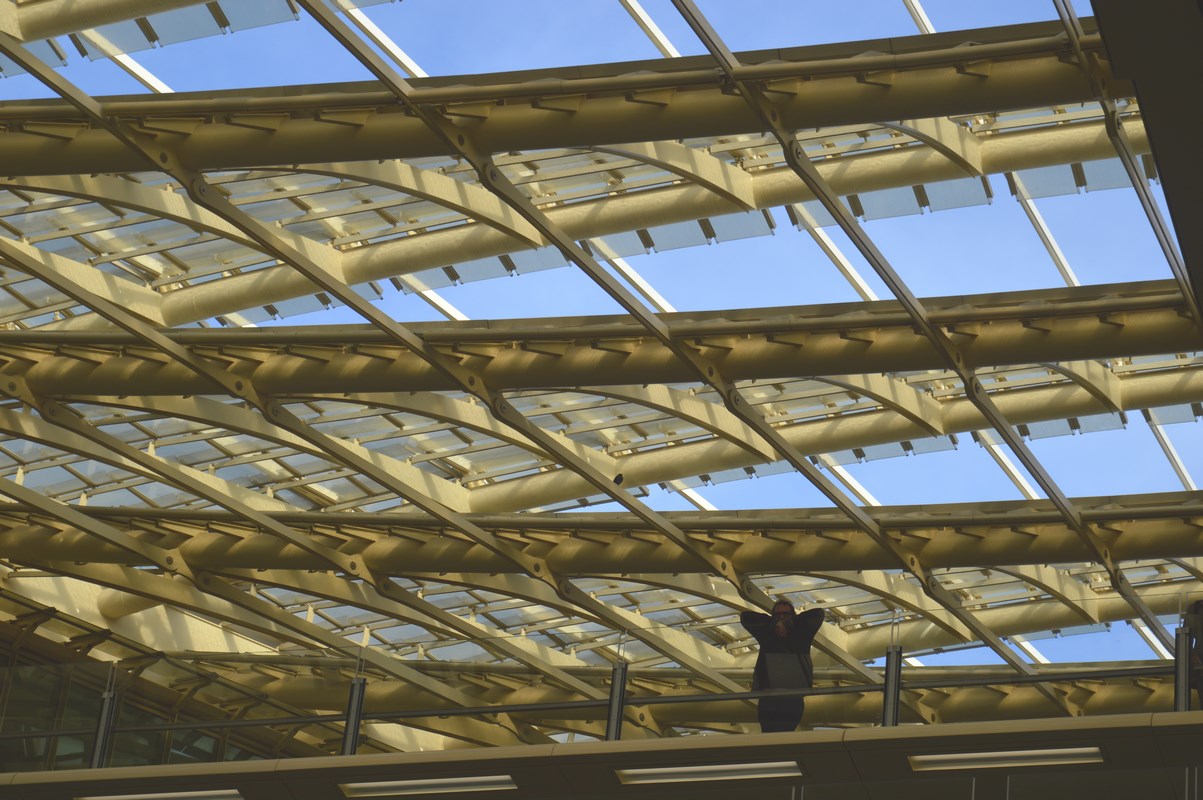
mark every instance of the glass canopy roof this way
{"type": "Point", "coordinates": [479, 381]}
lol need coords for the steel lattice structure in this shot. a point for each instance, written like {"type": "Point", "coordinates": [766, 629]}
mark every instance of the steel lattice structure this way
{"type": "Point", "coordinates": [278, 509]}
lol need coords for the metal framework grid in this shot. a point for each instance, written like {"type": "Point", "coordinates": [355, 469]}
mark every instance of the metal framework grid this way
{"type": "Point", "coordinates": [393, 500]}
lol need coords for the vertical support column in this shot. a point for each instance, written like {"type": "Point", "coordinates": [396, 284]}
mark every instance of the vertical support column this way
{"type": "Point", "coordinates": [1182, 669]}
{"type": "Point", "coordinates": [618, 691]}
{"type": "Point", "coordinates": [354, 715]}
{"type": "Point", "coordinates": [892, 692]}
{"type": "Point", "coordinates": [104, 728]}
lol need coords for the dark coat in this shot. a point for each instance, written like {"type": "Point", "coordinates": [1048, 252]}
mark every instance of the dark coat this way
{"type": "Point", "coordinates": [1193, 620]}
{"type": "Point", "coordinates": [801, 634]}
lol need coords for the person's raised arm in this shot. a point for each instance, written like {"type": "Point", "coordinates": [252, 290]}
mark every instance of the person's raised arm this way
{"type": "Point", "coordinates": [755, 622]}
{"type": "Point", "coordinates": [810, 621]}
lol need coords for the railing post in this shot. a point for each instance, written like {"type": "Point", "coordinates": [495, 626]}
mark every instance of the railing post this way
{"type": "Point", "coordinates": [618, 691]}
{"type": "Point", "coordinates": [354, 714]}
{"type": "Point", "coordinates": [1182, 669]}
{"type": "Point", "coordinates": [104, 728]}
{"type": "Point", "coordinates": [892, 691]}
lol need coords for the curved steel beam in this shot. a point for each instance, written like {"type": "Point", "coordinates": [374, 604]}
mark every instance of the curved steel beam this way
{"type": "Point", "coordinates": [1134, 390]}
{"type": "Point", "coordinates": [468, 199]}
{"type": "Point", "coordinates": [214, 597]}
{"type": "Point", "coordinates": [1044, 326]}
{"type": "Point", "coordinates": [1009, 535]}
{"type": "Point", "coordinates": [895, 394]}
{"type": "Point", "coordinates": [594, 218]}
{"type": "Point", "coordinates": [235, 418]}
{"type": "Point", "coordinates": [408, 607]}
{"type": "Point", "coordinates": [669, 99]}
{"type": "Point", "coordinates": [696, 166]}
{"type": "Point", "coordinates": [708, 416]}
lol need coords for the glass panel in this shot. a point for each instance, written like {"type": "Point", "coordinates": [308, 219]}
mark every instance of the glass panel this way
{"type": "Point", "coordinates": [956, 194]}
{"type": "Point", "coordinates": [1100, 422]}
{"type": "Point", "coordinates": [135, 748]}
{"type": "Point", "coordinates": [1169, 415]}
{"type": "Point", "coordinates": [936, 444]}
{"type": "Point", "coordinates": [677, 235]}
{"type": "Point", "coordinates": [1049, 181]}
{"type": "Point", "coordinates": [184, 24]}
{"type": "Point", "coordinates": [540, 259]}
{"type": "Point", "coordinates": [120, 37]}
{"type": "Point", "coordinates": [1107, 174]}
{"type": "Point", "coordinates": [243, 15]}
{"type": "Point", "coordinates": [879, 451]}
{"type": "Point", "coordinates": [1049, 428]}
{"type": "Point", "coordinates": [620, 245]}
{"type": "Point", "coordinates": [730, 227]}
{"type": "Point", "coordinates": [887, 203]}
{"type": "Point", "coordinates": [42, 49]}
{"type": "Point", "coordinates": [480, 269]}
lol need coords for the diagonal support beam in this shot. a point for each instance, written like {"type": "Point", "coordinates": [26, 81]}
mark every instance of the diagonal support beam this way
{"type": "Point", "coordinates": [235, 418]}
{"type": "Point", "coordinates": [650, 28]}
{"type": "Point", "coordinates": [830, 639]}
{"type": "Point", "coordinates": [1024, 198]}
{"type": "Point", "coordinates": [494, 179]}
{"type": "Point", "coordinates": [40, 429]}
{"type": "Point", "coordinates": [804, 220]}
{"type": "Point", "coordinates": [407, 606]}
{"type": "Point", "coordinates": [1171, 452]}
{"type": "Point", "coordinates": [676, 646]}
{"type": "Point", "coordinates": [213, 596]}
{"type": "Point", "coordinates": [801, 164]}
{"type": "Point", "coordinates": [310, 261]}
{"type": "Point", "coordinates": [1089, 63]}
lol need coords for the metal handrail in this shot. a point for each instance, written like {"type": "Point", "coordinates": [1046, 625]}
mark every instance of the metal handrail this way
{"type": "Point", "coordinates": [629, 700]}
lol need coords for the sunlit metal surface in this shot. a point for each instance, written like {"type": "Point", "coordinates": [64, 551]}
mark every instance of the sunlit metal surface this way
{"type": "Point", "coordinates": [360, 493]}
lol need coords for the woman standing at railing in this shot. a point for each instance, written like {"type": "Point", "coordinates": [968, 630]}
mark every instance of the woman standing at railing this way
{"type": "Point", "coordinates": [784, 661]}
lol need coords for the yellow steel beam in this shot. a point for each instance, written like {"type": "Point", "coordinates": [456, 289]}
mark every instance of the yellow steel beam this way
{"type": "Point", "coordinates": [1058, 325]}
{"type": "Point", "coordinates": [1005, 536]}
{"type": "Point", "coordinates": [647, 101]}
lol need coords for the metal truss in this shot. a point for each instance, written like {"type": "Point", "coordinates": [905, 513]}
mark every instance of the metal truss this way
{"type": "Point", "coordinates": [1157, 527]}
{"type": "Point", "coordinates": [950, 351]}
{"type": "Point", "coordinates": [494, 179]}
{"type": "Point", "coordinates": [1022, 539]}
{"type": "Point", "coordinates": [1029, 327]}
{"type": "Point", "coordinates": [876, 170]}
{"type": "Point", "coordinates": [1127, 155]}
{"type": "Point", "coordinates": [331, 281]}
{"type": "Point", "coordinates": [138, 327]}
{"type": "Point", "coordinates": [379, 499]}
{"type": "Point", "coordinates": [507, 683]}
{"type": "Point", "coordinates": [659, 105]}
